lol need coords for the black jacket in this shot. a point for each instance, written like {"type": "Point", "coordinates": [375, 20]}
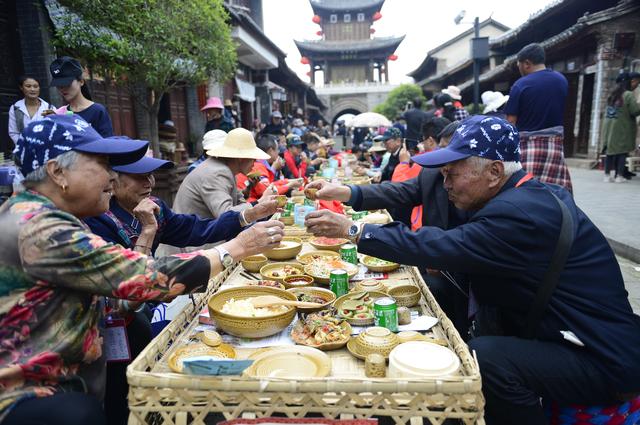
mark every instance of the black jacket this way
{"type": "Point", "coordinates": [415, 118]}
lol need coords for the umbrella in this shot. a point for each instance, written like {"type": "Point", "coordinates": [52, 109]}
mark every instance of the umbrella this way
{"type": "Point", "coordinates": [370, 119]}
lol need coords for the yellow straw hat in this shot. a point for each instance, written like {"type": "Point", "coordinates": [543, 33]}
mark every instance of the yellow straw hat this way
{"type": "Point", "coordinates": [239, 143]}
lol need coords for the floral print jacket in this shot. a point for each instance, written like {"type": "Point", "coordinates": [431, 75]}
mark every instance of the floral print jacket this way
{"type": "Point", "coordinates": [53, 275]}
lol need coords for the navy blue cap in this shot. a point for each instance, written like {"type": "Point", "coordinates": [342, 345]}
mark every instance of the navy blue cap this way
{"type": "Point", "coordinates": [64, 70]}
{"type": "Point", "coordinates": [294, 140]}
{"type": "Point", "coordinates": [144, 165]}
{"type": "Point", "coordinates": [391, 133]}
{"type": "Point", "coordinates": [54, 135]}
{"type": "Point", "coordinates": [480, 135]}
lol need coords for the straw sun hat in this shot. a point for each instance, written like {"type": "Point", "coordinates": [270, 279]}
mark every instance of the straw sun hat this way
{"type": "Point", "coordinates": [213, 138]}
{"type": "Point", "coordinates": [239, 143]}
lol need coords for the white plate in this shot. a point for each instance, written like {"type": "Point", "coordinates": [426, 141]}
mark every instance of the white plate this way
{"type": "Point", "coordinates": [422, 359]}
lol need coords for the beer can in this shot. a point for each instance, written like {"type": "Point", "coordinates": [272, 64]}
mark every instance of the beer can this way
{"type": "Point", "coordinates": [385, 313]}
{"type": "Point", "coordinates": [339, 282]}
{"type": "Point", "coordinates": [289, 207]}
{"type": "Point", "coordinates": [309, 202]}
{"type": "Point", "coordinates": [349, 253]}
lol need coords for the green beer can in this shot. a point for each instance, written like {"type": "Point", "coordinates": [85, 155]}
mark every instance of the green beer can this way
{"type": "Point", "coordinates": [339, 282]}
{"type": "Point", "coordinates": [349, 253]}
{"type": "Point", "coordinates": [289, 207]}
{"type": "Point", "coordinates": [385, 313]}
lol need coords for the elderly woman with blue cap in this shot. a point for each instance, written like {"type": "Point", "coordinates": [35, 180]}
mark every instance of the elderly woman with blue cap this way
{"type": "Point", "coordinates": [553, 319]}
{"type": "Point", "coordinates": [55, 272]}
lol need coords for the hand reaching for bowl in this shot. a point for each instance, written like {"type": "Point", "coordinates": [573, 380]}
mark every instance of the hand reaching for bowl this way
{"type": "Point", "coordinates": [327, 223]}
{"type": "Point", "coordinates": [259, 238]}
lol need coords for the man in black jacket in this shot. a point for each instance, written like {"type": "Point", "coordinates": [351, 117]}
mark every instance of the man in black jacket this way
{"type": "Point", "coordinates": [415, 117]}
{"type": "Point", "coordinates": [392, 139]}
{"type": "Point", "coordinates": [525, 240]}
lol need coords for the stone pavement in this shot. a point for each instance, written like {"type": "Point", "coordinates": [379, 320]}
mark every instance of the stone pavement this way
{"type": "Point", "coordinates": [615, 209]}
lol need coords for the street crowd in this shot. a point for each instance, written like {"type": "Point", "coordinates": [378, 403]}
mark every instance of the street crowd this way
{"type": "Point", "coordinates": [481, 203]}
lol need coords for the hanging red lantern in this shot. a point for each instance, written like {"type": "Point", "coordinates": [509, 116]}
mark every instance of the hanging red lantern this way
{"type": "Point", "coordinates": [304, 60]}
{"type": "Point", "coordinates": [393, 57]}
{"type": "Point", "coordinates": [377, 16]}
{"type": "Point", "coordinates": [316, 19]}
{"type": "Point", "coordinates": [372, 30]}
{"type": "Point", "coordinates": [319, 33]}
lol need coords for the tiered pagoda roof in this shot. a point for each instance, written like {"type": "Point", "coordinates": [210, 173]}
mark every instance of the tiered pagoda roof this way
{"type": "Point", "coordinates": [382, 45]}
{"type": "Point", "coordinates": [326, 7]}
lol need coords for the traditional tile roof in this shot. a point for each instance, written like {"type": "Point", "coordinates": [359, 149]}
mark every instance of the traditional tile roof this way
{"type": "Point", "coordinates": [328, 6]}
{"type": "Point", "coordinates": [390, 44]}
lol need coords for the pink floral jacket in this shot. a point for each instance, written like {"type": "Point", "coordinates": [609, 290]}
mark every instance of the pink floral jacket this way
{"type": "Point", "coordinates": [54, 274]}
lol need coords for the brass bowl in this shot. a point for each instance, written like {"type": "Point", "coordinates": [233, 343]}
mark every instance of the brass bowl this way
{"type": "Point", "coordinates": [323, 293]}
{"type": "Point", "coordinates": [335, 247]}
{"type": "Point", "coordinates": [295, 281]}
{"type": "Point", "coordinates": [405, 295]}
{"type": "Point", "coordinates": [355, 321]}
{"type": "Point", "coordinates": [289, 248]}
{"type": "Point", "coordinates": [379, 268]}
{"type": "Point", "coordinates": [250, 327]}
{"type": "Point", "coordinates": [287, 221]}
{"type": "Point", "coordinates": [254, 263]}
{"type": "Point", "coordinates": [267, 270]}
{"type": "Point", "coordinates": [307, 257]}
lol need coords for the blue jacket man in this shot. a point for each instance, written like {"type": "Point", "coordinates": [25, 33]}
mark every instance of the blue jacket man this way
{"type": "Point", "coordinates": [583, 350]}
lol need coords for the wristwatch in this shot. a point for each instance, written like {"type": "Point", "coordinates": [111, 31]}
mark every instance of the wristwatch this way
{"type": "Point", "coordinates": [354, 231]}
{"type": "Point", "coordinates": [225, 258]}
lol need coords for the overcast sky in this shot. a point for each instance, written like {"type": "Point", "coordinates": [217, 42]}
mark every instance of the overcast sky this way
{"type": "Point", "coordinates": [426, 23]}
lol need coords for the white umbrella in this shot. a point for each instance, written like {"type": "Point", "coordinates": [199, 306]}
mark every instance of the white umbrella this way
{"type": "Point", "coordinates": [370, 119]}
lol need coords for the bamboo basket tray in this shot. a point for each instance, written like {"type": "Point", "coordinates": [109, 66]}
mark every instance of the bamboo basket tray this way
{"type": "Point", "coordinates": [159, 396]}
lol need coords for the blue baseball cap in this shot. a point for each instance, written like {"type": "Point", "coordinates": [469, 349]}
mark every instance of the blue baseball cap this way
{"type": "Point", "coordinates": [294, 140]}
{"type": "Point", "coordinates": [391, 133]}
{"type": "Point", "coordinates": [144, 165]}
{"type": "Point", "coordinates": [480, 135]}
{"type": "Point", "coordinates": [54, 135]}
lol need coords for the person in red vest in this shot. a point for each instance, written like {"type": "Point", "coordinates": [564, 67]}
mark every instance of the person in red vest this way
{"type": "Point", "coordinates": [266, 172]}
{"type": "Point", "coordinates": [295, 162]}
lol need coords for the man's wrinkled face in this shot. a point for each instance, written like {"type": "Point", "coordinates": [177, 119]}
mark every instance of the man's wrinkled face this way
{"type": "Point", "coordinates": [392, 145]}
{"type": "Point", "coordinates": [467, 186]}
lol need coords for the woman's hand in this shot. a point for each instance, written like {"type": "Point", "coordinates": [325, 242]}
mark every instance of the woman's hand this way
{"type": "Point", "coordinates": [145, 212]}
{"type": "Point", "coordinates": [256, 239]}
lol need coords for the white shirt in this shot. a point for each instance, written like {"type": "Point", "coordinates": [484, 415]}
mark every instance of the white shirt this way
{"type": "Point", "coordinates": [13, 126]}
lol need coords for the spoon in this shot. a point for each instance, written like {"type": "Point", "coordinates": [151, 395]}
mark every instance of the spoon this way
{"type": "Point", "coordinates": [269, 300]}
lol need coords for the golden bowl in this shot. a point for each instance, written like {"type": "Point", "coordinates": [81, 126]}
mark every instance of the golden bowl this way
{"type": "Point", "coordinates": [376, 339]}
{"type": "Point", "coordinates": [254, 263]}
{"type": "Point", "coordinates": [287, 221]}
{"type": "Point", "coordinates": [250, 327]}
{"type": "Point", "coordinates": [267, 271]}
{"type": "Point", "coordinates": [289, 248]}
{"type": "Point", "coordinates": [317, 243]}
{"type": "Point", "coordinates": [298, 199]}
{"type": "Point", "coordinates": [369, 285]}
{"type": "Point", "coordinates": [383, 268]}
{"type": "Point", "coordinates": [281, 201]}
{"type": "Point", "coordinates": [297, 281]}
{"type": "Point", "coordinates": [328, 296]}
{"type": "Point", "coordinates": [309, 257]}
{"type": "Point", "coordinates": [310, 193]}
{"type": "Point", "coordinates": [405, 295]}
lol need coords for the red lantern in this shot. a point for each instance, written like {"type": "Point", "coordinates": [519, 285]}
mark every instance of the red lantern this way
{"type": "Point", "coordinates": [304, 60]}
{"type": "Point", "coordinates": [316, 19]}
{"type": "Point", "coordinates": [377, 16]}
{"type": "Point", "coordinates": [372, 30]}
{"type": "Point", "coordinates": [393, 57]}
{"type": "Point", "coordinates": [319, 33]}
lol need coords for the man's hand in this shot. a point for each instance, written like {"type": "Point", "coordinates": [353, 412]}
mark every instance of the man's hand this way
{"type": "Point", "coordinates": [294, 183]}
{"type": "Point", "coordinates": [318, 161]}
{"type": "Point", "coordinates": [264, 208]}
{"type": "Point", "coordinates": [145, 212]}
{"type": "Point", "coordinates": [330, 191]}
{"type": "Point", "coordinates": [404, 155]}
{"type": "Point", "coordinates": [327, 223]}
{"type": "Point", "coordinates": [268, 193]}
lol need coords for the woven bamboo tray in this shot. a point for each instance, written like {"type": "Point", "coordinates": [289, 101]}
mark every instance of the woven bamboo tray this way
{"type": "Point", "coordinates": [157, 395]}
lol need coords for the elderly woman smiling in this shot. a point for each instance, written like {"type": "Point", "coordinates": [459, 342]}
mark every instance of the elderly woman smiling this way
{"type": "Point", "coordinates": [53, 272]}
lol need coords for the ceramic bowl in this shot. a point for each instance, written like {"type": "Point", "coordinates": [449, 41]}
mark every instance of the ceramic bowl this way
{"type": "Point", "coordinates": [289, 248]}
{"type": "Point", "coordinates": [297, 281]}
{"type": "Point", "coordinates": [254, 263]}
{"type": "Point", "coordinates": [369, 285]}
{"type": "Point", "coordinates": [405, 295]}
{"type": "Point", "coordinates": [267, 271]}
{"type": "Point", "coordinates": [376, 339]}
{"type": "Point", "coordinates": [328, 296]}
{"type": "Point", "coordinates": [250, 327]}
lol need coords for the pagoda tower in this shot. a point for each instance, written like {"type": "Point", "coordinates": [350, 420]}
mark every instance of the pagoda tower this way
{"type": "Point", "coordinates": [347, 52]}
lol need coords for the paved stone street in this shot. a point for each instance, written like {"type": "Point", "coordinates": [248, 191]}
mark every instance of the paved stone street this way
{"type": "Point", "coordinates": [615, 209]}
